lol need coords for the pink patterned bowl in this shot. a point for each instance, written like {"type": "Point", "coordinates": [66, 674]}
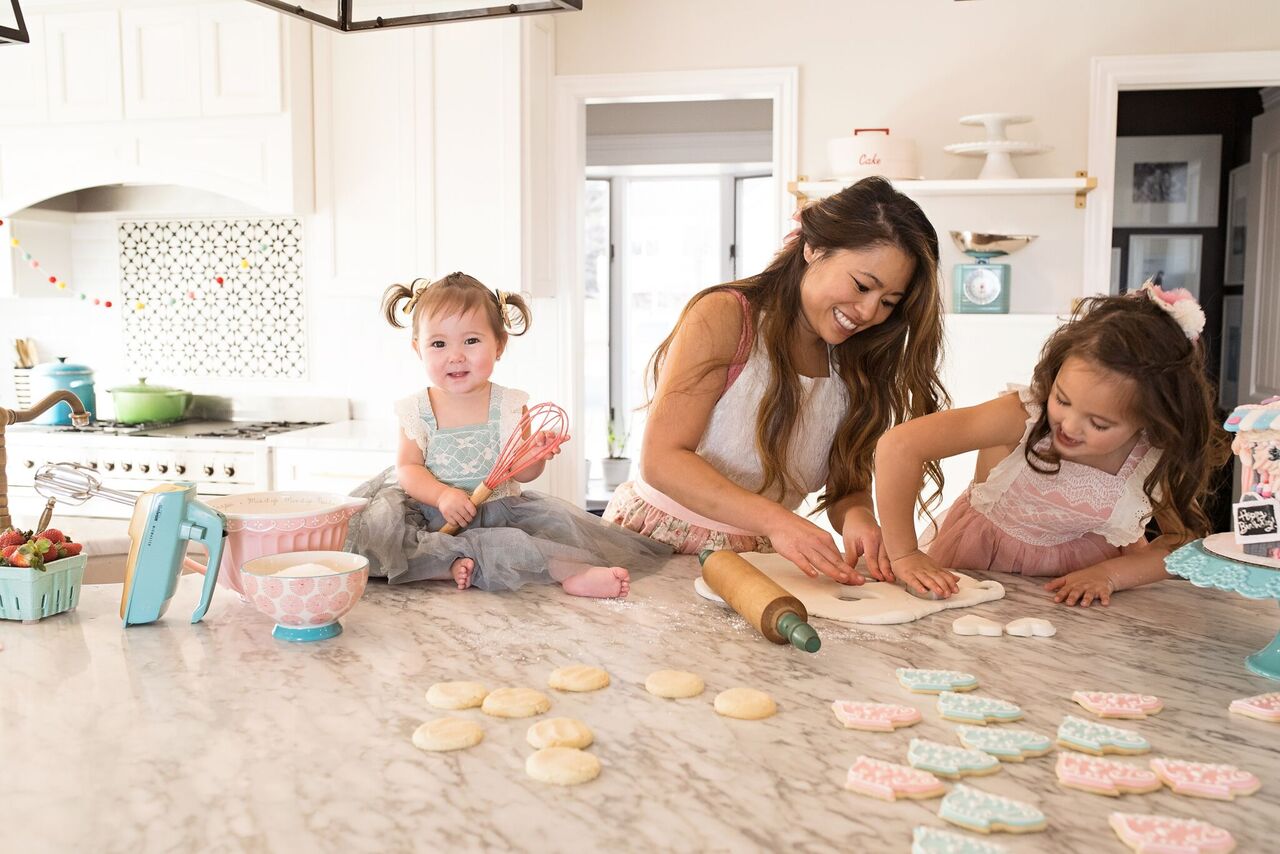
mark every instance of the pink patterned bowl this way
{"type": "Point", "coordinates": [305, 607]}
{"type": "Point", "coordinates": [268, 523]}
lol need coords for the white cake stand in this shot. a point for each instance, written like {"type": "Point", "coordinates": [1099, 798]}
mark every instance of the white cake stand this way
{"type": "Point", "coordinates": [999, 154]}
{"type": "Point", "coordinates": [995, 123]}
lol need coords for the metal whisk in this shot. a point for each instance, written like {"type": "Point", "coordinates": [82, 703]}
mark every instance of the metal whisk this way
{"type": "Point", "coordinates": [76, 484]}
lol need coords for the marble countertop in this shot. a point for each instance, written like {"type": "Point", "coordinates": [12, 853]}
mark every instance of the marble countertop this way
{"type": "Point", "coordinates": [340, 436]}
{"type": "Point", "coordinates": [217, 737]}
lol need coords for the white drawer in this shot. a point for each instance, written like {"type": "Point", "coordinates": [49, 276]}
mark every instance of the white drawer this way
{"type": "Point", "coordinates": [327, 470]}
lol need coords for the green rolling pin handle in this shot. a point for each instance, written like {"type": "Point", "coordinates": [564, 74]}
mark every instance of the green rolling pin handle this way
{"type": "Point", "coordinates": [800, 633]}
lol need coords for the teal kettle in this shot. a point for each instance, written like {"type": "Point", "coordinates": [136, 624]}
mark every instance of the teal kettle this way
{"type": "Point", "coordinates": [49, 377]}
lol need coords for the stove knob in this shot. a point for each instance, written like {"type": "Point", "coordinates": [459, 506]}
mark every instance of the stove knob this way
{"type": "Point", "coordinates": [180, 469]}
{"type": "Point", "coordinates": [126, 466]}
{"type": "Point", "coordinates": [229, 471]}
{"type": "Point", "coordinates": [144, 468]}
{"type": "Point", "coordinates": [29, 464]}
{"type": "Point", "coordinates": [111, 466]}
{"type": "Point", "coordinates": [208, 471]}
{"type": "Point", "coordinates": [162, 468]}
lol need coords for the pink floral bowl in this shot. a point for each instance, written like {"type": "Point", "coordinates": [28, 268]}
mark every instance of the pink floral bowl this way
{"type": "Point", "coordinates": [305, 607]}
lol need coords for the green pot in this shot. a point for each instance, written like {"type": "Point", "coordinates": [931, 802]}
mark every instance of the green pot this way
{"type": "Point", "coordinates": [142, 403]}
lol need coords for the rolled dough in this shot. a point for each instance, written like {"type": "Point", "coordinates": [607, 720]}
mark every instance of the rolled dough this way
{"type": "Point", "coordinates": [578, 677]}
{"type": "Point", "coordinates": [559, 732]}
{"type": "Point", "coordinates": [515, 703]}
{"type": "Point", "coordinates": [447, 734]}
{"type": "Point", "coordinates": [456, 695]}
{"type": "Point", "coordinates": [674, 684]}
{"type": "Point", "coordinates": [564, 766]}
{"type": "Point", "coordinates": [746, 704]}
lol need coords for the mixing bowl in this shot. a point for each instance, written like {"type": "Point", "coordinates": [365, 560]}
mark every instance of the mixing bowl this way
{"type": "Point", "coordinates": [305, 607]}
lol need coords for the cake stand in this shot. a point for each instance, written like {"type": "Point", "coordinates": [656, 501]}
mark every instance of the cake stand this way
{"type": "Point", "coordinates": [997, 148]}
{"type": "Point", "coordinates": [1206, 564]}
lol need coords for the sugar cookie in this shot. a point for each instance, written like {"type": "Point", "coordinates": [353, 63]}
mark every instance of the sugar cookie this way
{"type": "Point", "coordinates": [447, 734]}
{"type": "Point", "coordinates": [456, 695]}
{"type": "Point", "coordinates": [888, 781]}
{"type": "Point", "coordinates": [1105, 704]}
{"type": "Point", "coordinates": [674, 684]}
{"type": "Point", "coordinates": [1098, 739]}
{"type": "Point", "coordinates": [976, 710]}
{"type": "Point", "coordinates": [1205, 780]}
{"type": "Point", "coordinates": [875, 717]}
{"type": "Point", "coordinates": [972, 624]}
{"type": "Point", "coordinates": [931, 840]}
{"type": "Point", "coordinates": [578, 677]}
{"type": "Point", "coordinates": [515, 703]}
{"type": "Point", "coordinates": [1103, 776]}
{"type": "Point", "coordinates": [935, 681]}
{"type": "Point", "coordinates": [947, 761]}
{"type": "Point", "coordinates": [1007, 745]}
{"type": "Point", "coordinates": [1030, 627]}
{"type": "Point", "coordinates": [746, 704]}
{"type": "Point", "coordinates": [1156, 834]}
{"type": "Point", "coordinates": [984, 812]}
{"type": "Point", "coordinates": [563, 766]}
{"type": "Point", "coordinates": [1264, 707]}
{"type": "Point", "coordinates": [559, 732]}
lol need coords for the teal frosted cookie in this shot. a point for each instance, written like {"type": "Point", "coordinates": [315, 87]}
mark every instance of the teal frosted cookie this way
{"type": "Point", "coordinates": [931, 840]}
{"type": "Point", "coordinates": [984, 812]}
{"type": "Point", "coordinates": [1089, 737]}
{"type": "Point", "coordinates": [936, 681]}
{"type": "Point", "coordinates": [1007, 745]}
{"type": "Point", "coordinates": [947, 761]}
{"type": "Point", "coordinates": [976, 710]}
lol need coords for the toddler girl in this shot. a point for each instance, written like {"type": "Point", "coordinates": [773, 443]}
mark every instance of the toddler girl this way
{"type": "Point", "coordinates": [1117, 427]}
{"type": "Point", "coordinates": [450, 436]}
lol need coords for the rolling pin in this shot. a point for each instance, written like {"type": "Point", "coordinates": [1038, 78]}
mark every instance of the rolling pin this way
{"type": "Point", "coordinates": [774, 612]}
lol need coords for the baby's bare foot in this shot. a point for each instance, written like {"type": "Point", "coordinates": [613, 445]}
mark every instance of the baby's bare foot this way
{"type": "Point", "coordinates": [599, 582]}
{"type": "Point", "coordinates": [461, 570]}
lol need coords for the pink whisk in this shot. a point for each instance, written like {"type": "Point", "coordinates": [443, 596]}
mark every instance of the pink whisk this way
{"type": "Point", "coordinates": [522, 450]}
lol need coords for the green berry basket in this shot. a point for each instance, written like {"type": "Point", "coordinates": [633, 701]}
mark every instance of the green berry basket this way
{"type": "Point", "coordinates": [30, 595]}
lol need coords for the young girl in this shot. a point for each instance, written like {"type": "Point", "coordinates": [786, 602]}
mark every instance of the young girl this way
{"type": "Point", "coordinates": [450, 436]}
{"type": "Point", "coordinates": [778, 385]}
{"type": "Point", "coordinates": [1118, 426]}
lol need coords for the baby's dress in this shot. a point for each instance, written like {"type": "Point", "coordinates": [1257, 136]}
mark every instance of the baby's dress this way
{"type": "Point", "coordinates": [1021, 520]}
{"type": "Point", "coordinates": [513, 536]}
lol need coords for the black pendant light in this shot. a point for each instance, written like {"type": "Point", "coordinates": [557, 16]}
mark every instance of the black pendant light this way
{"type": "Point", "coordinates": [13, 30]}
{"type": "Point", "coordinates": [430, 12]}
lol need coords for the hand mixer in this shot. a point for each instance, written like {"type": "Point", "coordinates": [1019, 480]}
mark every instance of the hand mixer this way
{"type": "Point", "coordinates": [165, 517]}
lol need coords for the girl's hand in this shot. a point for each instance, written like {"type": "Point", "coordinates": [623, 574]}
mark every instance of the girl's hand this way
{"type": "Point", "coordinates": [456, 507]}
{"type": "Point", "coordinates": [923, 575]}
{"type": "Point", "coordinates": [1083, 586]}
{"type": "Point", "coordinates": [861, 533]}
{"type": "Point", "coordinates": [810, 548]}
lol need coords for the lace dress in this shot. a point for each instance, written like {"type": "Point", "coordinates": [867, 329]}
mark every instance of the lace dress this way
{"type": "Point", "coordinates": [1021, 520]}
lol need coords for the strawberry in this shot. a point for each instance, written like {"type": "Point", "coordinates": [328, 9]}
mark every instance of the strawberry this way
{"type": "Point", "coordinates": [26, 556]}
{"type": "Point", "coordinates": [53, 535]}
{"type": "Point", "coordinates": [42, 547]}
{"type": "Point", "coordinates": [72, 549]}
{"type": "Point", "coordinates": [7, 552]}
{"type": "Point", "coordinates": [13, 538]}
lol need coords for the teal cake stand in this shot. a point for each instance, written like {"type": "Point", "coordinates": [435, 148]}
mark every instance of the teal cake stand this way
{"type": "Point", "coordinates": [1204, 568]}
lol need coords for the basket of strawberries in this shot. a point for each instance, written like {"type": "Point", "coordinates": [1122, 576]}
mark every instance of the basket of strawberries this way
{"type": "Point", "coordinates": [40, 574]}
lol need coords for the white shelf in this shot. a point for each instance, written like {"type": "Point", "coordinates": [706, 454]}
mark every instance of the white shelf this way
{"type": "Point", "coordinates": [1078, 187]}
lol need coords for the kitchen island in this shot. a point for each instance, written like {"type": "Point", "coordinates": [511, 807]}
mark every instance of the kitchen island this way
{"type": "Point", "coordinates": [216, 737]}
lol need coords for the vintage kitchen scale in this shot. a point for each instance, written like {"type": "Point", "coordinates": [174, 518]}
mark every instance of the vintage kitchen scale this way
{"type": "Point", "coordinates": [983, 287]}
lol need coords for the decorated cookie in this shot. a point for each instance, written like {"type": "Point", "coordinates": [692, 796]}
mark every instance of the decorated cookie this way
{"type": "Point", "coordinates": [984, 812]}
{"type": "Point", "coordinates": [947, 761]}
{"type": "Point", "coordinates": [875, 717]}
{"type": "Point", "coordinates": [1098, 739]}
{"type": "Point", "coordinates": [972, 624]}
{"type": "Point", "coordinates": [1030, 627]}
{"type": "Point", "coordinates": [1107, 705]}
{"type": "Point", "coordinates": [1007, 745]}
{"type": "Point", "coordinates": [976, 710]}
{"type": "Point", "coordinates": [1264, 707]}
{"type": "Point", "coordinates": [1103, 776]}
{"type": "Point", "coordinates": [936, 681]}
{"type": "Point", "coordinates": [1158, 834]}
{"type": "Point", "coordinates": [1205, 780]}
{"type": "Point", "coordinates": [889, 781]}
{"type": "Point", "coordinates": [931, 840]}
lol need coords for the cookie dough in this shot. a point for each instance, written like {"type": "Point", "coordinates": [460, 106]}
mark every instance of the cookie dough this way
{"type": "Point", "coordinates": [515, 703]}
{"type": "Point", "coordinates": [456, 695]}
{"type": "Point", "coordinates": [559, 732]}
{"type": "Point", "coordinates": [447, 734]}
{"type": "Point", "coordinates": [746, 704]}
{"type": "Point", "coordinates": [578, 677]}
{"type": "Point", "coordinates": [674, 684]}
{"type": "Point", "coordinates": [563, 766]}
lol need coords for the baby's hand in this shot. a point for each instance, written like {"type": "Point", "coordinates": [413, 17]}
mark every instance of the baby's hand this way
{"type": "Point", "coordinates": [919, 571]}
{"type": "Point", "coordinates": [544, 441]}
{"type": "Point", "coordinates": [456, 507]}
{"type": "Point", "coordinates": [1083, 586]}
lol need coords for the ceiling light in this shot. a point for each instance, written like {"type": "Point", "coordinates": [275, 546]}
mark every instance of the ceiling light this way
{"type": "Point", "coordinates": [351, 16]}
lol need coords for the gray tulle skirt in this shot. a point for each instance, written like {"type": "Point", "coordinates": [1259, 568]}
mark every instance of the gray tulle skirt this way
{"type": "Point", "coordinates": [514, 541]}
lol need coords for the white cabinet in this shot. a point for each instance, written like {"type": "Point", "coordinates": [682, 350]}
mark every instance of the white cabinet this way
{"type": "Point", "coordinates": [160, 78]}
{"type": "Point", "coordinates": [23, 98]}
{"type": "Point", "coordinates": [82, 63]}
{"type": "Point", "coordinates": [240, 67]}
{"type": "Point", "coordinates": [327, 470]}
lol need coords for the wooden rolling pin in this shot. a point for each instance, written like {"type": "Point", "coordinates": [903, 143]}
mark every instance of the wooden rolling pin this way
{"type": "Point", "coordinates": [774, 612]}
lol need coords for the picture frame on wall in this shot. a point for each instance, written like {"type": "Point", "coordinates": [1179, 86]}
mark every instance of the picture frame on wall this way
{"type": "Point", "coordinates": [1117, 270]}
{"type": "Point", "coordinates": [1232, 337]}
{"type": "Point", "coordinates": [1172, 259]}
{"type": "Point", "coordinates": [1167, 180]}
{"type": "Point", "coordinates": [1237, 224]}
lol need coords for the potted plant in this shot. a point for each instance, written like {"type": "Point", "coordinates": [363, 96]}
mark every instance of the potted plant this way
{"type": "Point", "coordinates": [617, 468]}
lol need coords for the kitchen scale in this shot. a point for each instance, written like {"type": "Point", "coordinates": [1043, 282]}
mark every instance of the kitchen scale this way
{"type": "Point", "coordinates": [983, 287]}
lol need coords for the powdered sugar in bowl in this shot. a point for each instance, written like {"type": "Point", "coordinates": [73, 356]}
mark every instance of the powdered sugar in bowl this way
{"type": "Point", "coordinates": [305, 592]}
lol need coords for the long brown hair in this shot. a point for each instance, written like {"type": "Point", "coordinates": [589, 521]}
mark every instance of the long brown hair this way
{"type": "Point", "coordinates": [890, 370]}
{"type": "Point", "coordinates": [457, 293]}
{"type": "Point", "coordinates": [1132, 337]}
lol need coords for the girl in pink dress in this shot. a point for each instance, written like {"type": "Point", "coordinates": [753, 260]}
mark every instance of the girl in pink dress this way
{"type": "Point", "coordinates": [1117, 427]}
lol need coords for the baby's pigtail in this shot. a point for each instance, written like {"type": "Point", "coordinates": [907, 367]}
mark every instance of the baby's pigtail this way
{"type": "Point", "coordinates": [392, 298]}
{"type": "Point", "coordinates": [516, 316]}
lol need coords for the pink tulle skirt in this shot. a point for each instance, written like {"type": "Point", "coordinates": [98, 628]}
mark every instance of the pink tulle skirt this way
{"type": "Point", "coordinates": [629, 510]}
{"type": "Point", "coordinates": [969, 540]}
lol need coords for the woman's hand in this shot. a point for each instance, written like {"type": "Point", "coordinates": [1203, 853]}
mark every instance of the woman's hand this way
{"type": "Point", "coordinates": [923, 575]}
{"type": "Point", "coordinates": [862, 538]}
{"type": "Point", "coordinates": [456, 507]}
{"type": "Point", "coordinates": [809, 547]}
{"type": "Point", "coordinates": [1083, 586]}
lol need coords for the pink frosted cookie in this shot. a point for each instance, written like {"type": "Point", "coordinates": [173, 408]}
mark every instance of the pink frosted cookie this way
{"type": "Point", "coordinates": [1205, 780]}
{"type": "Point", "coordinates": [1103, 776]}
{"type": "Point", "coordinates": [1264, 707]}
{"type": "Point", "coordinates": [875, 717]}
{"type": "Point", "coordinates": [888, 781]}
{"type": "Point", "coordinates": [1108, 705]}
{"type": "Point", "coordinates": [1162, 834]}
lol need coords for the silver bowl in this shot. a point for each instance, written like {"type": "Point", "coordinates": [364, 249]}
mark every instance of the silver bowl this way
{"type": "Point", "coordinates": [980, 243]}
